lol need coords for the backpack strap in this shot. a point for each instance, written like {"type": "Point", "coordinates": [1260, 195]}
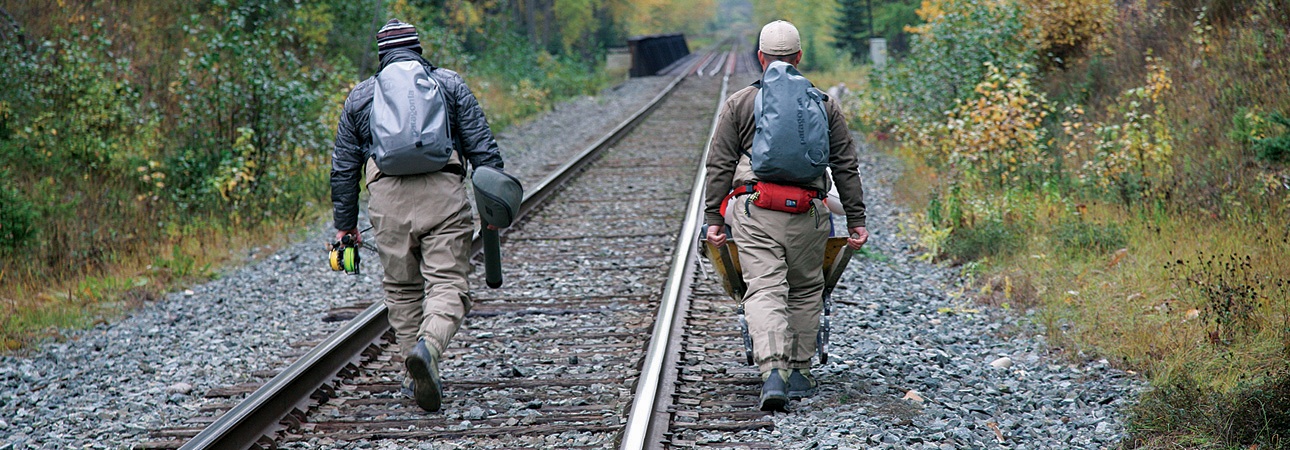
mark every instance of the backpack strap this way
{"type": "Point", "coordinates": [404, 54]}
{"type": "Point", "coordinates": [756, 111]}
{"type": "Point", "coordinates": [455, 170]}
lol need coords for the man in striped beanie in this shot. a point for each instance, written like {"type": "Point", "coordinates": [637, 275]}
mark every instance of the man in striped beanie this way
{"type": "Point", "coordinates": [396, 34]}
{"type": "Point", "coordinates": [421, 219]}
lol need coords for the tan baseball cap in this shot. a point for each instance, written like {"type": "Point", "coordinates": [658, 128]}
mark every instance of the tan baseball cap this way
{"type": "Point", "coordinates": [779, 38]}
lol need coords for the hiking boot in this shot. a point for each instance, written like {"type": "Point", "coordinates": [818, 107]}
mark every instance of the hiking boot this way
{"type": "Point", "coordinates": [801, 384]}
{"type": "Point", "coordinates": [423, 366]}
{"type": "Point", "coordinates": [773, 391]}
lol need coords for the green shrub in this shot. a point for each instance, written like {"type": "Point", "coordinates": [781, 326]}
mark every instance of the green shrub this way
{"type": "Point", "coordinates": [1267, 134]}
{"type": "Point", "coordinates": [18, 218]}
{"type": "Point", "coordinates": [254, 112]}
{"type": "Point", "coordinates": [17, 70]}
{"type": "Point", "coordinates": [1275, 148]}
{"type": "Point", "coordinates": [83, 117]}
{"type": "Point", "coordinates": [533, 78]}
{"type": "Point", "coordinates": [1081, 236]}
{"type": "Point", "coordinates": [949, 53]}
{"type": "Point", "coordinates": [983, 239]}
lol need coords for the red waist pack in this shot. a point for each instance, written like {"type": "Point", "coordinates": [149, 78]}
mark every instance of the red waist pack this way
{"type": "Point", "coordinates": [789, 199]}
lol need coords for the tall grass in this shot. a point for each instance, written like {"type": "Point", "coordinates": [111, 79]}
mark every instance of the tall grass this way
{"type": "Point", "coordinates": [1148, 200]}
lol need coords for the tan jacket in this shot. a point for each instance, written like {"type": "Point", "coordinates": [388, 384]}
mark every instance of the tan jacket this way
{"type": "Point", "coordinates": [728, 164]}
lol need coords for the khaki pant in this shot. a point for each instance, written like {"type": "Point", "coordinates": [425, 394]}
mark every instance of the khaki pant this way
{"type": "Point", "coordinates": [782, 256]}
{"type": "Point", "coordinates": [423, 227]}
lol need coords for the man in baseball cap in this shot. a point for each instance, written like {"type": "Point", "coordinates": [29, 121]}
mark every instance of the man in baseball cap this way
{"type": "Point", "coordinates": [781, 253]}
{"type": "Point", "coordinates": [779, 38]}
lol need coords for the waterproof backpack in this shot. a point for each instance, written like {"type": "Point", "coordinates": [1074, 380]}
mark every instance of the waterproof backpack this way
{"type": "Point", "coordinates": [791, 141]}
{"type": "Point", "coordinates": [409, 121]}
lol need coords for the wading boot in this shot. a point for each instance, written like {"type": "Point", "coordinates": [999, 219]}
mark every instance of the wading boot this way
{"type": "Point", "coordinates": [774, 388]}
{"type": "Point", "coordinates": [801, 384]}
{"type": "Point", "coordinates": [423, 366]}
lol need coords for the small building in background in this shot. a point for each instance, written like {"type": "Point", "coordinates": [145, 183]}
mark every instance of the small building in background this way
{"type": "Point", "coordinates": [651, 54]}
{"type": "Point", "coordinates": [878, 52]}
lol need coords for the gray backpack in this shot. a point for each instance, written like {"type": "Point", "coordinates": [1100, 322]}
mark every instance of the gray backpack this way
{"type": "Point", "coordinates": [791, 142]}
{"type": "Point", "coordinates": [409, 121]}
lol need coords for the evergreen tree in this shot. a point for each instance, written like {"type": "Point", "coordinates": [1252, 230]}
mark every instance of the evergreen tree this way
{"type": "Point", "coordinates": [853, 28]}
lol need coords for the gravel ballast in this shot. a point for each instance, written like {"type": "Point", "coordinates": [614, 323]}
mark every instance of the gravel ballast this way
{"type": "Point", "coordinates": [914, 365]}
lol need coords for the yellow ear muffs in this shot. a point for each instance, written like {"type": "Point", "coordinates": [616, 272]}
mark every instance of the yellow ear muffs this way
{"type": "Point", "coordinates": [344, 256]}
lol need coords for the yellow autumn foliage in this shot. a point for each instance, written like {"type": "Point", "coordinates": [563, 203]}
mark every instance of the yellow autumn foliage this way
{"type": "Point", "coordinates": [996, 137]}
{"type": "Point", "coordinates": [1068, 27]}
{"type": "Point", "coordinates": [929, 11]}
{"type": "Point", "coordinates": [1064, 27]}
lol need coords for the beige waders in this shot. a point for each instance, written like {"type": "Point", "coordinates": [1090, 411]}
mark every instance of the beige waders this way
{"type": "Point", "coordinates": [423, 227]}
{"type": "Point", "coordinates": [781, 255]}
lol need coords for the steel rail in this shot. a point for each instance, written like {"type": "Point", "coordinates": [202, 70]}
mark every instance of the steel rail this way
{"type": "Point", "coordinates": [258, 416]}
{"type": "Point", "coordinates": [720, 63]}
{"type": "Point", "coordinates": [707, 59]}
{"type": "Point", "coordinates": [648, 418]}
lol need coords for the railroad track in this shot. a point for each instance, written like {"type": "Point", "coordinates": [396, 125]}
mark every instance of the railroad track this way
{"type": "Point", "coordinates": [554, 357]}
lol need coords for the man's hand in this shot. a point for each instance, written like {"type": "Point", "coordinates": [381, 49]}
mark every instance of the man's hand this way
{"type": "Point", "coordinates": [358, 237]}
{"type": "Point", "coordinates": [859, 235]}
{"type": "Point", "coordinates": [716, 236]}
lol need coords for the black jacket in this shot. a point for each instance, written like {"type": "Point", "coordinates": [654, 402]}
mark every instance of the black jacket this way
{"type": "Point", "coordinates": [353, 147]}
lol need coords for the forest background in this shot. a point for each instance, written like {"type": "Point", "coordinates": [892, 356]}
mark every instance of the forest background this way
{"type": "Point", "coordinates": [1114, 170]}
{"type": "Point", "coordinates": [144, 144]}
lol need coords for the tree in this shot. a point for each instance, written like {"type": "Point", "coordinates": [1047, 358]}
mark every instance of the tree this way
{"type": "Point", "coordinates": [890, 20]}
{"type": "Point", "coordinates": [854, 28]}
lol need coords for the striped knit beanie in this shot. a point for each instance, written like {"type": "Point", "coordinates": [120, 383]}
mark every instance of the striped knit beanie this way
{"type": "Point", "coordinates": [396, 34]}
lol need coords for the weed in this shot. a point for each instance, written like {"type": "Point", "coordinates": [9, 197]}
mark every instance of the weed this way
{"type": "Point", "coordinates": [1181, 124]}
{"type": "Point", "coordinates": [1009, 290]}
{"type": "Point", "coordinates": [984, 239]}
{"type": "Point", "coordinates": [873, 255]}
{"type": "Point", "coordinates": [1254, 415]}
{"type": "Point", "coordinates": [1259, 414]}
{"type": "Point", "coordinates": [1232, 292]}
{"type": "Point", "coordinates": [930, 238]}
{"type": "Point", "coordinates": [1084, 237]}
{"type": "Point", "coordinates": [1069, 29]}
{"type": "Point", "coordinates": [1175, 406]}
{"type": "Point", "coordinates": [1131, 155]}
{"type": "Point", "coordinates": [180, 265]}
